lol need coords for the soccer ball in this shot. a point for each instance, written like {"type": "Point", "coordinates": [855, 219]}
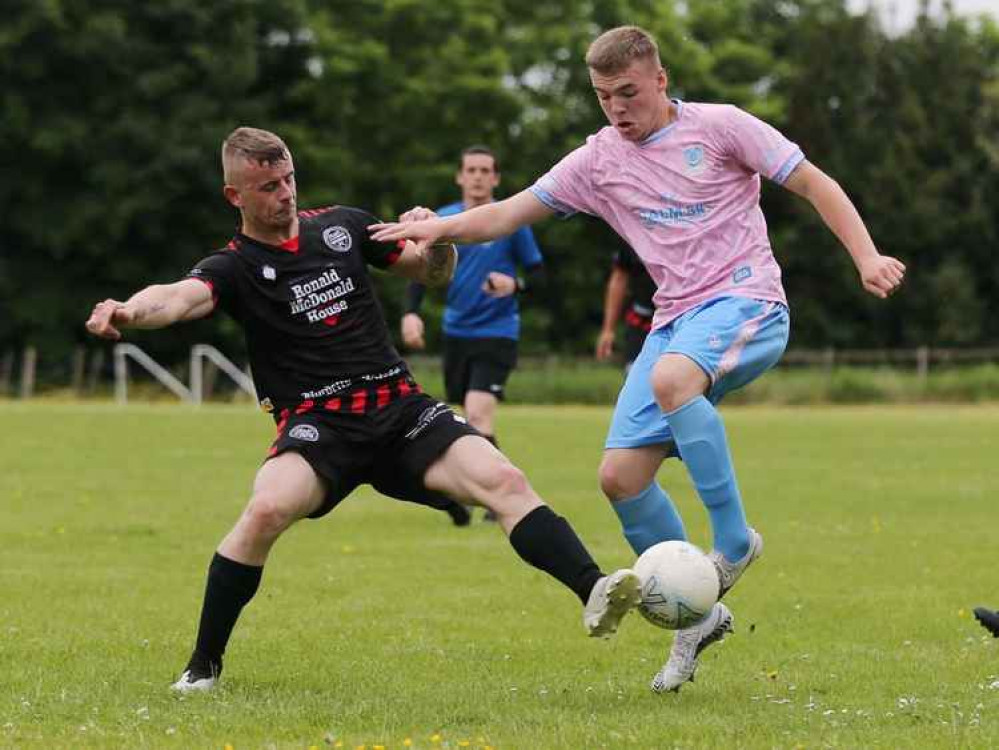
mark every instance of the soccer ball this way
{"type": "Point", "coordinates": [679, 584]}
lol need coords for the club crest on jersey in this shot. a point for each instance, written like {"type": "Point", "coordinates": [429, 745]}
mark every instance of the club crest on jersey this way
{"type": "Point", "coordinates": [305, 432]}
{"type": "Point", "coordinates": [337, 239]}
{"type": "Point", "coordinates": [268, 273]}
{"type": "Point", "coordinates": [693, 157]}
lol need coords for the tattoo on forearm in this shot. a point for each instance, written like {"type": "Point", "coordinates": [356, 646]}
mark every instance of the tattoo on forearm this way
{"type": "Point", "coordinates": [144, 312]}
{"type": "Point", "coordinates": [439, 263]}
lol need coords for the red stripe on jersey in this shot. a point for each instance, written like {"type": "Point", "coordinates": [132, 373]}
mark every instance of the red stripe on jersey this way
{"type": "Point", "coordinates": [305, 406]}
{"type": "Point", "coordinates": [392, 257]}
{"type": "Point", "coordinates": [633, 319]}
{"type": "Point", "coordinates": [290, 245]}
{"type": "Point", "coordinates": [283, 421]}
{"type": "Point", "coordinates": [333, 404]}
{"type": "Point", "coordinates": [232, 245]}
{"type": "Point", "coordinates": [358, 401]}
{"type": "Point", "coordinates": [384, 393]}
{"type": "Point", "coordinates": [211, 287]}
{"type": "Point", "coordinates": [331, 321]}
{"type": "Point", "coordinates": [272, 452]}
{"type": "Point", "coordinates": [405, 388]}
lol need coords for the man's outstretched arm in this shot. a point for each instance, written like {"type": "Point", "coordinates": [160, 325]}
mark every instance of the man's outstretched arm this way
{"type": "Point", "coordinates": [156, 306]}
{"type": "Point", "coordinates": [477, 225]}
{"type": "Point", "coordinates": [880, 274]}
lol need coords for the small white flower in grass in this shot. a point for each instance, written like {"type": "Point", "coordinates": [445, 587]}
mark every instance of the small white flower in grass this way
{"type": "Point", "coordinates": [171, 730]}
{"type": "Point", "coordinates": [829, 712]}
{"type": "Point", "coordinates": [142, 712]}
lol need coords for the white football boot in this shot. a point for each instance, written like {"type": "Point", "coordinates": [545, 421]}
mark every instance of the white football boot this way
{"type": "Point", "coordinates": [688, 645]}
{"type": "Point", "coordinates": [191, 682]}
{"type": "Point", "coordinates": [729, 572]}
{"type": "Point", "coordinates": [611, 599]}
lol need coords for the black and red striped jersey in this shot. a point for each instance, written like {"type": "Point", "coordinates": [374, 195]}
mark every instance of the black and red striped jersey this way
{"type": "Point", "coordinates": [314, 327]}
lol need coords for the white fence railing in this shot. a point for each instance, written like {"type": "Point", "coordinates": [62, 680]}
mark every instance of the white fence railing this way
{"type": "Point", "coordinates": [194, 394]}
{"type": "Point", "coordinates": [18, 370]}
{"type": "Point", "coordinates": [201, 352]}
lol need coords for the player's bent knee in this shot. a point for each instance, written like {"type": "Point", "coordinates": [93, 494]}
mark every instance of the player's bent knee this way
{"type": "Point", "coordinates": [267, 516]}
{"type": "Point", "coordinates": [616, 482]}
{"type": "Point", "coordinates": [504, 480]}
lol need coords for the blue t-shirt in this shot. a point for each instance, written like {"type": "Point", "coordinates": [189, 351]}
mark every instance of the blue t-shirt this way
{"type": "Point", "coordinates": [469, 311]}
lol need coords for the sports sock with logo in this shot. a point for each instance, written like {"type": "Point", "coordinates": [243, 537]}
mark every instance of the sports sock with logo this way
{"type": "Point", "coordinates": [700, 437]}
{"type": "Point", "coordinates": [230, 586]}
{"type": "Point", "coordinates": [649, 518]}
{"type": "Point", "coordinates": [545, 540]}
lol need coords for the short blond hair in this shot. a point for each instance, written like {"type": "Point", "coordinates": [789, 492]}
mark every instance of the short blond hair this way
{"type": "Point", "coordinates": [616, 49]}
{"type": "Point", "coordinates": [261, 146]}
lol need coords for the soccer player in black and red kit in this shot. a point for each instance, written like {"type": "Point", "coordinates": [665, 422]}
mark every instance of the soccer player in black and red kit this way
{"type": "Point", "coordinates": [347, 410]}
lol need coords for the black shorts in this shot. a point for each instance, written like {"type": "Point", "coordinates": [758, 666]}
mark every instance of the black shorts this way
{"type": "Point", "coordinates": [390, 449]}
{"type": "Point", "coordinates": [477, 365]}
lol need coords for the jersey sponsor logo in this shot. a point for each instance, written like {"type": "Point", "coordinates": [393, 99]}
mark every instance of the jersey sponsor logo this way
{"type": "Point", "coordinates": [382, 375]}
{"type": "Point", "coordinates": [325, 292]}
{"type": "Point", "coordinates": [674, 214]}
{"type": "Point", "coordinates": [330, 389]}
{"type": "Point", "coordinates": [305, 432]}
{"type": "Point", "coordinates": [268, 273]}
{"type": "Point", "coordinates": [714, 341]}
{"type": "Point", "coordinates": [337, 239]}
{"type": "Point", "coordinates": [741, 274]}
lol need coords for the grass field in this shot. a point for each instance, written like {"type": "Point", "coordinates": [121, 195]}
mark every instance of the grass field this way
{"type": "Point", "coordinates": [383, 626]}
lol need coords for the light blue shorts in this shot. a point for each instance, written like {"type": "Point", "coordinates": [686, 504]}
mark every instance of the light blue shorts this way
{"type": "Point", "coordinates": [733, 339]}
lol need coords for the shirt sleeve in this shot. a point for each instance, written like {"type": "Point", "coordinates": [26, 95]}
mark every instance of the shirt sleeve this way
{"type": "Point", "coordinates": [525, 248]}
{"type": "Point", "coordinates": [759, 146]}
{"type": "Point", "coordinates": [567, 188]}
{"type": "Point", "coordinates": [218, 272]}
{"type": "Point", "coordinates": [377, 254]}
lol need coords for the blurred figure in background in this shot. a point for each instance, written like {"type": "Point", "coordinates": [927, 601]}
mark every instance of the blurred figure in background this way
{"type": "Point", "coordinates": [481, 318]}
{"type": "Point", "coordinates": [629, 290]}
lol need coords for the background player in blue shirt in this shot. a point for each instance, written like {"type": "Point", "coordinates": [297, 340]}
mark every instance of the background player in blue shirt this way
{"type": "Point", "coordinates": [481, 317]}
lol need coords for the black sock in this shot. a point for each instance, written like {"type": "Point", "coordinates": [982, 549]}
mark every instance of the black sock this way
{"type": "Point", "coordinates": [230, 586]}
{"type": "Point", "coordinates": [546, 541]}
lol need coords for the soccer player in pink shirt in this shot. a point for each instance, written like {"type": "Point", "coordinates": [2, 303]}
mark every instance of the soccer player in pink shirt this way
{"type": "Point", "coordinates": [680, 182]}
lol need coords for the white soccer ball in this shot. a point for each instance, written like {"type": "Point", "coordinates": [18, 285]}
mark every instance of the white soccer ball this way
{"type": "Point", "coordinates": [679, 584]}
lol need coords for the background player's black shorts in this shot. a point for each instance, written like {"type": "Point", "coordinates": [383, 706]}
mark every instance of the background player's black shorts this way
{"type": "Point", "coordinates": [390, 448]}
{"type": "Point", "coordinates": [477, 365]}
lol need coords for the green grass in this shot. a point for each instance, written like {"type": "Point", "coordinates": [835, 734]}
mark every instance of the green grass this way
{"type": "Point", "coordinates": [382, 623]}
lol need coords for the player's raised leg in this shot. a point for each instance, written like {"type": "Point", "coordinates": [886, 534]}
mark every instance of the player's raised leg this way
{"type": "Point", "coordinates": [472, 467]}
{"type": "Point", "coordinates": [286, 489]}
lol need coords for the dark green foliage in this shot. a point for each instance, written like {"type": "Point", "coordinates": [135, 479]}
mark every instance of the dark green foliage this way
{"type": "Point", "coordinates": [113, 114]}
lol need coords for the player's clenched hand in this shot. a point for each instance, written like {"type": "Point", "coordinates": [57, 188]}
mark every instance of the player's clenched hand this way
{"type": "Point", "coordinates": [412, 331]}
{"type": "Point", "coordinates": [499, 284]}
{"type": "Point", "coordinates": [882, 275]}
{"type": "Point", "coordinates": [417, 213]}
{"type": "Point", "coordinates": [105, 316]}
{"type": "Point", "coordinates": [422, 232]}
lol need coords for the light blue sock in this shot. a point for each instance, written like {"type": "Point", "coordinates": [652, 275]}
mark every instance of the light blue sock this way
{"type": "Point", "coordinates": [649, 518]}
{"type": "Point", "coordinates": [700, 437]}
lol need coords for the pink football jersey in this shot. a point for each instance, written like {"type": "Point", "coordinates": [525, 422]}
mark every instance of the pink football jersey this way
{"type": "Point", "coordinates": [687, 199]}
